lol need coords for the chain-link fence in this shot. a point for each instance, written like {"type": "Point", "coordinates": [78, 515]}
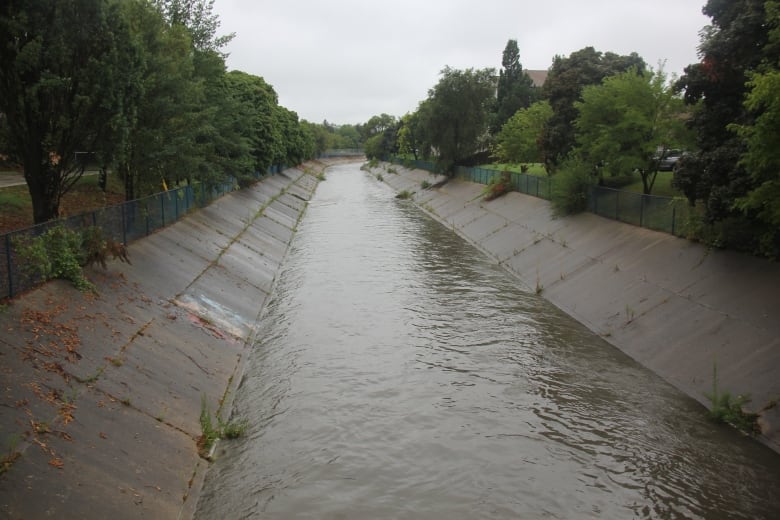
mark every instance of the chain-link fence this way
{"type": "Point", "coordinates": [667, 214]}
{"type": "Point", "coordinates": [122, 223]}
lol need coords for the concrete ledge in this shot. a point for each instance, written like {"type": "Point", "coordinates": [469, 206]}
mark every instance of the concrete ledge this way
{"type": "Point", "coordinates": [674, 306]}
{"type": "Point", "coordinates": [102, 394]}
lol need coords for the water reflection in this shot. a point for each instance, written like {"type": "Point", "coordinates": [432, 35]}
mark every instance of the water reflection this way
{"type": "Point", "coordinates": [401, 375]}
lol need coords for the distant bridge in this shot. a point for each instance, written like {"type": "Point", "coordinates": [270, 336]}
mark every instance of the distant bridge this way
{"type": "Point", "coordinates": [343, 152]}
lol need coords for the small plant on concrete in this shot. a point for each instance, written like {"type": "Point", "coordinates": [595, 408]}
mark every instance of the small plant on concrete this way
{"type": "Point", "coordinates": [425, 185]}
{"type": "Point", "coordinates": [57, 253]}
{"type": "Point", "coordinates": [379, 177]}
{"type": "Point", "coordinates": [499, 185]}
{"type": "Point", "coordinates": [211, 432]}
{"type": "Point", "coordinates": [405, 194]}
{"type": "Point", "coordinates": [391, 169]}
{"type": "Point", "coordinates": [320, 176]}
{"type": "Point", "coordinates": [728, 409]}
{"type": "Point", "coordinates": [630, 314]}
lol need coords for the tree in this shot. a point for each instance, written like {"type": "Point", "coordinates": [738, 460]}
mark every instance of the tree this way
{"type": "Point", "coordinates": [515, 88]}
{"type": "Point", "coordinates": [408, 132]}
{"type": "Point", "coordinates": [68, 83]}
{"type": "Point", "coordinates": [624, 122]}
{"type": "Point", "coordinates": [199, 19]}
{"type": "Point", "coordinates": [519, 138]}
{"type": "Point", "coordinates": [161, 143]}
{"type": "Point", "coordinates": [259, 102]}
{"type": "Point", "coordinates": [731, 49]}
{"type": "Point", "coordinates": [761, 158]}
{"type": "Point", "coordinates": [563, 88]}
{"type": "Point", "coordinates": [455, 120]}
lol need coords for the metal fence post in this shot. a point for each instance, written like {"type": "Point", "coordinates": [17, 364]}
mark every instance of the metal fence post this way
{"type": "Point", "coordinates": [617, 205]}
{"type": "Point", "coordinates": [642, 211]}
{"type": "Point", "coordinates": [8, 263]}
{"type": "Point", "coordinates": [162, 209]}
{"type": "Point", "coordinates": [674, 216]}
{"type": "Point", "coordinates": [124, 223]}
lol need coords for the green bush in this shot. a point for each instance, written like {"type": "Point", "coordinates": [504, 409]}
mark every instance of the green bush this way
{"type": "Point", "coordinates": [571, 186]}
{"type": "Point", "coordinates": [57, 253]}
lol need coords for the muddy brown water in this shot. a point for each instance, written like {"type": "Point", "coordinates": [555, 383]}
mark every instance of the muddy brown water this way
{"type": "Point", "coordinates": [401, 374]}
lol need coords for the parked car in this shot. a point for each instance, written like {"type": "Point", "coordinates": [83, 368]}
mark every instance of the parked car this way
{"type": "Point", "coordinates": [669, 160]}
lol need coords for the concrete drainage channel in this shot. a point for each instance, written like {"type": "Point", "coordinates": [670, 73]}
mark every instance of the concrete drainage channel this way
{"type": "Point", "coordinates": [675, 306]}
{"type": "Point", "coordinates": [103, 394]}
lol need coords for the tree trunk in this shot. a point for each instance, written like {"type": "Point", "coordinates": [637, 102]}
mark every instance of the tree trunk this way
{"type": "Point", "coordinates": [43, 185]}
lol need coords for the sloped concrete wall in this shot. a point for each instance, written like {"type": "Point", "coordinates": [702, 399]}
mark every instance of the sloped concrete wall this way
{"type": "Point", "coordinates": [675, 306]}
{"type": "Point", "coordinates": [102, 394]}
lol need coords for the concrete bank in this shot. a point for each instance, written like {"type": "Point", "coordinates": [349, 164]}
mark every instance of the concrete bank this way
{"type": "Point", "coordinates": [102, 394]}
{"type": "Point", "coordinates": [676, 307]}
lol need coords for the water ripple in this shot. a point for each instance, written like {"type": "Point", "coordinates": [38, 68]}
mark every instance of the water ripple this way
{"type": "Point", "coordinates": [401, 375]}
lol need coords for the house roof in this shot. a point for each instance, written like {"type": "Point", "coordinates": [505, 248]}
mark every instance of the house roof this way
{"type": "Point", "coordinates": [537, 76]}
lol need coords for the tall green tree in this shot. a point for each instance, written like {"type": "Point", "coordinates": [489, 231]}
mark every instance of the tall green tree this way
{"type": "Point", "coordinates": [200, 20]}
{"type": "Point", "coordinates": [761, 158]}
{"type": "Point", "coordinates": [161, 143]}
{"type": "Point", "coordinates": [563, 87]}
{"type": "Point", "coordinates": [515, 88]}
{"type": "Point", "coordinates": [456, 116]}
{"type": "Point", "coordinates": [520, 137]}
{"type": "Point", "coordinates": [259, 102]}
{"type": "Point", "coordinates": [731, 49]}
{"type": "Point", "coordinates": [68, 83]}
{"type": "Point", "coordinates": [408, 135]}
{"type": "Point", "coordinates": [625, 121]}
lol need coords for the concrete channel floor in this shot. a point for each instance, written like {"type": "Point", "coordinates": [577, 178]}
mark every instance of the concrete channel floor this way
{"type": "Point", "coordinates": [102, 393]}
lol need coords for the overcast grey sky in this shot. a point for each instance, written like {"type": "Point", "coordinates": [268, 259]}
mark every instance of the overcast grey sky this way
{"type": "Point", "coordinates": [347, 60]}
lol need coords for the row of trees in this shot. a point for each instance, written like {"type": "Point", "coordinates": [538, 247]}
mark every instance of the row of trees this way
{"type": "Point", "coordinates": [139, 87]}
{"type": "Point", "coordinates": [601, 115]}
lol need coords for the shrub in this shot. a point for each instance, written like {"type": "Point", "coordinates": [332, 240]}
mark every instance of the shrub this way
{"type": "Point", "coordinates": [571, 186]}
{"type": "Point", "coordinates": [498, 185]}
{"type": "Point", "coordinates": [57, 253]}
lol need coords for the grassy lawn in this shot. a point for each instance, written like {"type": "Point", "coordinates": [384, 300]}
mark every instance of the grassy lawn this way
{"type": "Point", "coordinates": [536, 169]}
{"type": "Point", "coordinates": [662, 187]}
{"type": "Point", "coordinates": [16, 207]}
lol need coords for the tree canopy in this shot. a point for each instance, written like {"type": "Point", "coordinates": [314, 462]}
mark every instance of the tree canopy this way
{"type": "Point", "coordinates": [628, 122]}
{"type": "Point", "coordinates": [456, 116]}
{"type": "Point", "coordinates": [141, 88]}
{"type": "Point", "coordinates": [519, 138]}
{"type": "Point", "coordinates": [515, 88]}
{"type": "Point", "coordinates": [69, 83]}
{"type": "Point", "coordinates": [563, 87]}
{"type": "Point", "coordinates": [732, 50]}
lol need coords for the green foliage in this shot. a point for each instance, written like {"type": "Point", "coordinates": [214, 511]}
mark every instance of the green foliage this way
{"type": "Point", "coordinates": [571, 186]}
{"type": "Point", "coordinates": [211, 432]}
{"type": "Point", "coordinates": [739, 44]}
{"type": "Point", "coordinates": [425, 184]}
{"type": "Point", "coordinates": [498, 185]}
{"type": "Point", "coordinates": [563, 87]}
{"type": "Point", "coordinates": [729, 409]}
{"type": "Point", "coordinates": [518, 141]}
{"type": "Point", "coordinates": [515, 90]}
{"type": "Point", "coordinates": [69, 75]}
{"type": "Point", "coordinates": [57, 253]}
{"type": "Point", "coordinates": [405, 194]}
{"type": "Point", "coordinates": [625, 120]}
{"type": "Point", "coordinates": [454, 118]}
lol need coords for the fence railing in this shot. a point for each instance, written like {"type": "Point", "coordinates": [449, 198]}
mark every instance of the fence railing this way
{"type": "Point", "coordinates": [342, 152]}
{"type": "Point", "coordinates": [123, 222]}
{"type": "Point", "coordinates": [667, 214]}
